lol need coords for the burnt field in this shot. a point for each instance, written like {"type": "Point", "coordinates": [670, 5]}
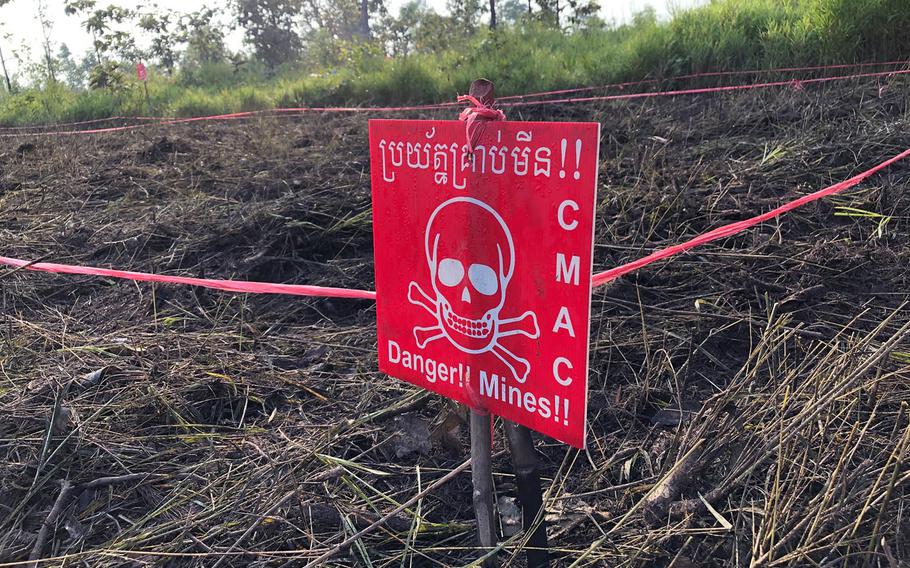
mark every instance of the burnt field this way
{"type": "Point", "coordinates": [747, 405]}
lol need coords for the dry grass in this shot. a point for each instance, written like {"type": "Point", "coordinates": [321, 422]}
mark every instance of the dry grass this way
{"type": "Point", "coordinates": [748, 401]}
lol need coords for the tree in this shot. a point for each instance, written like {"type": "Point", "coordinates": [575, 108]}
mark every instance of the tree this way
{"type": "Point", "coordinates": [340, 20]}
{"type": "Point", "coordinates": [100, 24]}
{"type": "Point", "coordinates": [204, 37]}
{"type": "Point", "coordinates": [9, 84]}
{"type": "Point", "coordinates": [164, 40]}
{"type": "Point", "coordinates": [417, 29]}
{"type": "Point", "coordinates": [583, 14]}
{"type": "Point", "coordinates": [75, 73]}
{"type": "Point", "coordinates": [577, 13]}
{"type": "Point", "coordinates": [399, 31]}
{"type": "Point", "coordinates": [512, 11]}
{"type": "Point", "coordinates": [365, 20]}
{"type": "Point", "coordinates": [107, 40]}
{"type": "Point", "coordinates": [465, 15]}
{"type": "Point", "coordinates": [549, 12]}
{"type": "Point", "coordinates": [271, 29]}
{"type": "Point", "coordinates": [199, 33]}
{"type": "Point", "coordinates": [339, 32]}
{"type": "Point", "coordinates": [46, 26]}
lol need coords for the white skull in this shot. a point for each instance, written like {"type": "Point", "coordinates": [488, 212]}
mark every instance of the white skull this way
{"type": "Point", "coordinates": [471, 257]}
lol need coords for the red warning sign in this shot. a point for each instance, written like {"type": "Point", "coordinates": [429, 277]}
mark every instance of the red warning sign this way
{"type": "Point", "coordinates": [141, 72]}
{"type": "Point", "coordinates": [483, 264]}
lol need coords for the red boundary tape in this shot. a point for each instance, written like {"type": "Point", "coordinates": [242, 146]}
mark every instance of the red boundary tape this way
{"type": "Point", "coordinates": [301, 110]}
{"type": "Point", "coordinates": [327, 292]}
{"type": "Point", "coordinates": [82, 122]}
{"type": "Point", "coordinates": [739, 226]}
{"type": "Point", "coordinates": [225, 285]}
{"type": "Point", "coordinates": [788, 83]}
{"type": "Point", "coordinates": [707, 74]}
{"type": "Point", "coordinates": [228, 116]}
{"type": "Point", "coordinates": [701, 75]}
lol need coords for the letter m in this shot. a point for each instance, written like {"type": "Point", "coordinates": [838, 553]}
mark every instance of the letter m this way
{"type": "Point", "coordinates": [567, 273]}
{"type": "Point", "coordinates": [489, 384]}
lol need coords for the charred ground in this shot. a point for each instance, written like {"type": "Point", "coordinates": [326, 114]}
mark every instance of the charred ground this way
{"type": "Point", "coordinates": [768, 373]}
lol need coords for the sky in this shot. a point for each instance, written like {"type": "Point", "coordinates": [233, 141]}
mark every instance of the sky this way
{"type": "Point", "coordinates": [19, 26]}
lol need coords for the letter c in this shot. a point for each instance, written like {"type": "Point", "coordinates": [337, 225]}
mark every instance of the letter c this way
{"type": "Point", "coordinates": [561, 215]}
{"type": "Point", "coordinates": [556, 364]}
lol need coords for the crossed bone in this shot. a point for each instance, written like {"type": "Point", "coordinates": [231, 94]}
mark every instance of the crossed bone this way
{"type": "Point", "coordinates": [525, 324]}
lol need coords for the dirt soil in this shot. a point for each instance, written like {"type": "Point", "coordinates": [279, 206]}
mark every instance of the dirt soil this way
{"type": "Point", "coordinates": [748, 401]}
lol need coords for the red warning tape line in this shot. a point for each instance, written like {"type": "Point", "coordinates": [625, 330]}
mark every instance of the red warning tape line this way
{"type": "Point", "coordinates": [151, 121]}
{"type": "Point", "coordinates": [167, 120]}
{"type": "Point", "coordinates": [704, 75]}
{"type": "Point", "coordinates": [703, 90]}
{"type": "Point", "coordinates": [175, 120]}
{"type": "Point", "coordinates": [68, 132]}
{"type": "Point", "coordinates": [226, 285]}
{"type": "Point", "coordinates": [228, 116]}
{"type": "Point", "coordinates": [84, 122]}
{"type": "Point", "coordinates": [739, 226]}
{"type": "Point", "coordinates": [598, 279]}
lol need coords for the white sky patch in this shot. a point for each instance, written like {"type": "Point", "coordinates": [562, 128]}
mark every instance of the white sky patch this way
{"type": "Point", "coordinates": [20, 32]}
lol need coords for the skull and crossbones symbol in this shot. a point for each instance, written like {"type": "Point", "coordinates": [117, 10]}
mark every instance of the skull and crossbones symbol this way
{"type": "Point", "coordinates": [471, 257]}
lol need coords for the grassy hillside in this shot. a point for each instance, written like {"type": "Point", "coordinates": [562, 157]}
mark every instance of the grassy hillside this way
{"type": "Point", "coordinates": [723, 35]}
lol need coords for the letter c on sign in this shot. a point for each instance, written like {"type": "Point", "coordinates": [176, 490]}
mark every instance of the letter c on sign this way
{"type": "Point", "coordinates": [556, 364]}
{"type": "Point", "coordinates": [561, 215]}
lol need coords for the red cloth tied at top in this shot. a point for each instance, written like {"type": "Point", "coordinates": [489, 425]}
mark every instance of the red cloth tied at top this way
{"type": "Point", "coordinates": [474, 117]}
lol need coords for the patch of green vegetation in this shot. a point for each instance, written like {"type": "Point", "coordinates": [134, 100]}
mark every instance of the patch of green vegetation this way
{"type": "Point", "coordinates": [722, 35]}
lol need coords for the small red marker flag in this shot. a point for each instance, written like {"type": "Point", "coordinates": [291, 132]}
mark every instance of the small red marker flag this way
{"type": "Point", "coordinates": [141, 72]}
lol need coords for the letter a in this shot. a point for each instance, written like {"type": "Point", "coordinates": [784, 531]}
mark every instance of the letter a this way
{"type": "Point", "coordinates": [563, 321]}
